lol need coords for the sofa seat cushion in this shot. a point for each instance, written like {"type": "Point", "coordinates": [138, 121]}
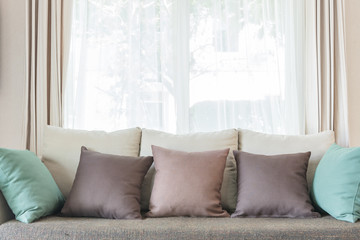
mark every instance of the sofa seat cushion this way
{"type": "Point", "coordinates": [181, 228]}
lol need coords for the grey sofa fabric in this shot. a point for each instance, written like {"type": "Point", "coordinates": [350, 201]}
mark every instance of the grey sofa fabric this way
{"type": "Point", "coordinates": [181, 228]}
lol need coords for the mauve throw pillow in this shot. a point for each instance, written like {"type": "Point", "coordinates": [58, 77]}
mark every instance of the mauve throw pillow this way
{"type": "Point", "coordinates": [273, 186]}
{"type": "Point", "coordinates": [187, 184]}
{"type": "Point", "coordinates": [107, 186]}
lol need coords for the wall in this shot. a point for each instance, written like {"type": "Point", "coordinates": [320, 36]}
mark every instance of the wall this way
{"type": "Point", "coordinates": [12, 73]}
{"type": "Point", "coordinates": [352, 29]}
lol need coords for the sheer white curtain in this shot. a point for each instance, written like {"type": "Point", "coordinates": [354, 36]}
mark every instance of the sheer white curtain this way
{"type": "Point", "coordinates": [246, 65]}
{"type": "Point", "coordinates": [122, 65]}
{"type": "Point", "coordinates": [187, 65]}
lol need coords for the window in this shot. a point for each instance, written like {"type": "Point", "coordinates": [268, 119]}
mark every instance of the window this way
{"type": "Point", "coordinates": [186, 65]}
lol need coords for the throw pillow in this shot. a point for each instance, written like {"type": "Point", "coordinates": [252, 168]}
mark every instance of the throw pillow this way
{"type": "Point", "coordinates": [193, 142]}
{"type": "Point", "coordinates": [61, 149]}
{"type": "Point", "coordinates": [107, 186]}
{"type": "Point", "coordinates": [28, 186]}
{"type": "Point", "coordinates": [336, 187]}
{"type": "Point", "coordinates": [273, 144]}
{"type": "Point", "coordinates": [273, 186]}
{"type": "Point", "coordinates": [187, 184]}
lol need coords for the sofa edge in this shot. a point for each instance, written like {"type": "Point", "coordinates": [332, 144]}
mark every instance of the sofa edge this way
{"type": "Point", "coordinates": [5, 211]}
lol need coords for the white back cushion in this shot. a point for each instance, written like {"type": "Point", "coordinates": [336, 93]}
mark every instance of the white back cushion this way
{"type": "Point", "coordinates": [195, 142]}
{"type": "Point", "coordinates": [272, 144]}
{"type": "Point", "coordinates": [61, 149]}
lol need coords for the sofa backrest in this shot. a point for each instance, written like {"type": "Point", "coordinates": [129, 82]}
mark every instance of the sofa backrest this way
{"type": "Point", "coordinates": [61, 149]}
{"type": "Point", "coordinates": [272, 144]}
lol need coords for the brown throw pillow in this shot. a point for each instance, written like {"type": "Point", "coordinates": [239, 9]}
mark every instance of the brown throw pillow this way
{"type": "Point", "coordinates": [107, 186]}
{"type": "Point", "coordinates": [273, 186]}
{"type": "Point", "coordinates": [187, 184]}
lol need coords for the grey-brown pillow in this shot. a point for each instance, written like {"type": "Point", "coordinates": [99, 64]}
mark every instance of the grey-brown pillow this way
{"type": "Point", "coordinates": [273, 186]}
{"type": "Point", "coordinates": [107, 186]}
{"type": "Point", "coordinates": [187, 184]}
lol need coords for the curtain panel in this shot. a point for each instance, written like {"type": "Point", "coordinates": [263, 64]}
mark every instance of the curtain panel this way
{"type": "Point", "coordinates": [46, 62]}
{"type": "Point", "coordinates": [184, 66]}
{"type": "Point", "coordinates": [326, 81]}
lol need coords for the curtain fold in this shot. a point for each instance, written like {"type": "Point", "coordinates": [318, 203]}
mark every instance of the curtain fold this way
{"type": "Point", "coordinates": [47, 34]}
{"type": "Point", "coordinates": [326, 83]}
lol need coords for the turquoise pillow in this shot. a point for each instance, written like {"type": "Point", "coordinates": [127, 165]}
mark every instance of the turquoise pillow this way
{"type": "Point", "coordinates": [28, 186]}
{"type": "Point", "coordinates": [336, 183]}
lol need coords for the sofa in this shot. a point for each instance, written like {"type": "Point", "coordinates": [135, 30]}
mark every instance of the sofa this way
{"type": "Point", "coordinates": [61, 151]}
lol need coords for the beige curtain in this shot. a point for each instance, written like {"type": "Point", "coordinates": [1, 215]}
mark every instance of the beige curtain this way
{"type": "Point", "coordinates": [326, 90]}
{"type": "Point", "coordinates": [47, 44]}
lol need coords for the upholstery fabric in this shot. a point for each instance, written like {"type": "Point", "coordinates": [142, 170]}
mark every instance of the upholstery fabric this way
{"type": "Point", "coordinates": [5, 212]}
{"type": "Point", "coordinates": [196, 142]}
{"type": "Point", "coordinates": [272, 144]}
{"type": "Point", "coordinates": [61, 150]}
{"type": "Point", "coordinates": [187, 184]}
{"type": "Point", "coordinates": [273, 186]}
{"type": "Point", "coordinates": [107, 186]}
{"type": "Point", "coordinates": [60, 228]}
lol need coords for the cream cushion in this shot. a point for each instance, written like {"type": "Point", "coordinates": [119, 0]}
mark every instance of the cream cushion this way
{"type": "Point", "coordinates": [62, 147]}
{"type": "Point", "coordinates": [272, 144]}
{"type": "Point", "coordinates": [195, 142]}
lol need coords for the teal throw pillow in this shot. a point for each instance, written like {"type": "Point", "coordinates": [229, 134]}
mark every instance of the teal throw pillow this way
{"type": "Point", "coordinates": [28, 186]}
{"type": "Point", "coordinates": [336, 183]}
